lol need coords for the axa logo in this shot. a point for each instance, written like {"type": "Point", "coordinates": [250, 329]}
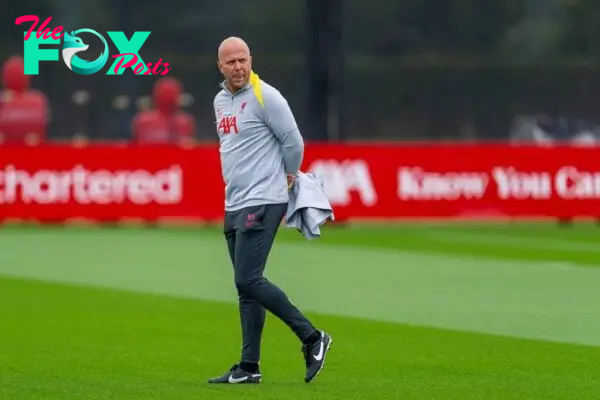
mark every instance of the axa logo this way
{"type": "Point", "coordinates": [227, 125]}
{"type": "Point", "coordinates": [128, 56]}
{"type": "Point", "coordinates": [344, 179]}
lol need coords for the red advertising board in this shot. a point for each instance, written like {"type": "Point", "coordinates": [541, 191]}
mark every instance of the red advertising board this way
{"type": "Point", "coordinates": [362, 181]}
{"type": "Point", "coordinates": [460, 181]}
{"type": "Point", "coordinates": [110, 183]}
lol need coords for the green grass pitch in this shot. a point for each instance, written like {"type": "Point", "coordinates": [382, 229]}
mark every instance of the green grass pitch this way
{"type": "Point", "coordinates": [417, 311]}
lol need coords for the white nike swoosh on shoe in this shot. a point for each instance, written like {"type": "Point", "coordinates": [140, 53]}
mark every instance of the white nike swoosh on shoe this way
{"type": "Point", "coordinates": [319, 356]}
{"type": "Point", "coordinates": [237, 380]}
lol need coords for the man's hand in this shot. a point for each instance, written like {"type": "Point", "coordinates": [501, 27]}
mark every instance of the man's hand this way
{"type": "Point", "coordinates": [290, 180]}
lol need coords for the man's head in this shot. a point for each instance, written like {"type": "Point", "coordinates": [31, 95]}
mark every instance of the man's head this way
{"type": "Point", "coordinates": [13, 75]}
{"type": "Point", "coordinates": [235, 62]}
{"type": "Point", "coordinates": [166, 94]}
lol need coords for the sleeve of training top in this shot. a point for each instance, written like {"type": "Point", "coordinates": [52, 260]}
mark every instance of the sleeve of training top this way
{"type": "Point", "coordinates": [280, 120]}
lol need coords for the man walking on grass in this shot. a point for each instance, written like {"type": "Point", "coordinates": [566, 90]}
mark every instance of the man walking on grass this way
{"type": "Point", "coordinates": [261, 151]}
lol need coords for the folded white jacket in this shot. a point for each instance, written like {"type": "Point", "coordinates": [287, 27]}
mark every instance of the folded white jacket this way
{"type": "Point", "coordinates": [308, 207]}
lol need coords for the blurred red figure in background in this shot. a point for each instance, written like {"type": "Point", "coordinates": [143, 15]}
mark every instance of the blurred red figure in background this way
{"type": "Point", "coordinates": [166, 123]}
{"type": "Point", "coordinates": [23, 112]}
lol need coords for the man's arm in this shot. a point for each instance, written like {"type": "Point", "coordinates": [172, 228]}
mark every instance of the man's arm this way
{"type": "Point", "coordinates": [280, 120]}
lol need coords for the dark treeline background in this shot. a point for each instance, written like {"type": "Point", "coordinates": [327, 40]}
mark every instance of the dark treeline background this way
{"type": "Point", "coordinates": [412, 69]}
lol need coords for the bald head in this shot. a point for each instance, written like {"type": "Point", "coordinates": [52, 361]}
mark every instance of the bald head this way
{"type": "Point", "coordinates": [232, 44]}
{"type": "Point", "coordinates": [235, 62]}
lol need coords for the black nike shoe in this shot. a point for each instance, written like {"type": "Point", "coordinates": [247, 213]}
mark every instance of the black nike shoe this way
{"type": "Point", "coordinates": [237, 375]}
{"type": "Point", "coordinates": [315, 354]}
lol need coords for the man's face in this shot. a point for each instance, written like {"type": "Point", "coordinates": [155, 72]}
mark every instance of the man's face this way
{"type": "Point", "coordinates": [235, 67]}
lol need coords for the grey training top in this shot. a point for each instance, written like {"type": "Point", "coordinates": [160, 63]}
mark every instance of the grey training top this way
{"type": "Point", "coordinates": [259, 143]}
